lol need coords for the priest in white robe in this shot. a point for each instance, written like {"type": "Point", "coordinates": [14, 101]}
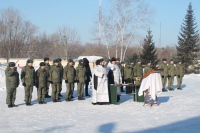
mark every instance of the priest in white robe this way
{"type": "Point", "coordinates": [114, 75]}
{"type": "Point", "coordinates": [100, 84]}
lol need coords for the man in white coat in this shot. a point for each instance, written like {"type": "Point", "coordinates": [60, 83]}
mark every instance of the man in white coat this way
{"type": "Point", "coordinates": [100, 84]}
{"type": "Point", "coordinates": [114, 75]}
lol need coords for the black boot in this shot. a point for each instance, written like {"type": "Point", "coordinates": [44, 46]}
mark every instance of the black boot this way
{"type": "Point", "coordinates": [13, 105]}
{"type": "Point", "coordinates": [43, 102]}
{"type": "Point", "coordinates": [72, 97]}
{"type": "Point", "coordinates": [9, 106]}
{"type": "Point", "coordinates": [60, 95]}
{"type": "Point", "coordinates": [122, 90]}
{"type": "Point", "coordinates": [47, 96]}
{"type": "Point", "coordinates": [54, 101]}
{"type": "Point", "coordinates": [179, 89]}
{"type": "Point", "coordinates": [118, 98]}
{"type": "Point", "coordinates": [164, 90]}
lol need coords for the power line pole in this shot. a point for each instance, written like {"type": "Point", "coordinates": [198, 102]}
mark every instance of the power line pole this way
{"type": "Point", "coordinates": [100, 22]}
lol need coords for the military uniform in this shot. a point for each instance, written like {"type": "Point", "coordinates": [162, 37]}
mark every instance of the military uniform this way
{"type": "Point", "coordinates": [128, 77]}
{"type": "Point", "coordinates": [81, 77]}
{"type": "Point", "coordinates": [138, 73]}
{"type": "Point", "coordinates": [61, 69]}
{"type": "Point", "coordinates": [41, 82]}
{"type": "Point", "coordinates": [69, 76]}
{"type": "Point", "coordinates": [55, 74]}
{"type": "Point", "coordinates": [47, 68]}
{"type": "Point", "coordinates": [171, 74]}
{"type": "Point", "coordinates": [147, 68]}
{"type": "Point", "coordinates": [88, 75]}
{"type": "Point", "coordinates": [179, 73]}
{"type": "Point", "coordinates": [12, 82]}
{"type": "Point", "coordinates": [164, 75]}
{"type": "Point", "coordinates": [28, 81]}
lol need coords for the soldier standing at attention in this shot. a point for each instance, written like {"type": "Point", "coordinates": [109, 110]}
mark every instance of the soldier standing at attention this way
{"type": "Point", "coordinates": [122, 73]}
{"type": "Point", "coordinates": [180, 74]}
{"type": "Point", "coordinates": [12, 82]}
{"type": "Point", "coordinates": [69, 77]}
{"type": "Point", "coordinates": [171, 74]}
{"type": "Point", "coordinates": [132, 67]}
{"type": "Point", "coordinates": [47, 68]}
{"type": "Point", "coordinates": [28, 80]}
{"type": "Point", "coordinates": [61, 68]}
{"type": "Point", "coordinates": [41, 82]}
{"type": "Point", "coordinates": [81, 76]}
{"type": "Point", "coordinates": [138, 72]}
{"type": "Point", "coordinates": [128, 77]}
{"type": "Point", "coordinates": [55, 74]}
{"type": "Point", "coordinates": [147, 67]}
{"type": "Point", "coordinates": [164, 74]}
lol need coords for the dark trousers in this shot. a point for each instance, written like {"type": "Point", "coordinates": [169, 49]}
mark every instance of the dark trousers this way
{"type": "Point", "coordinates": [86, 88]}
{"type": "Point", "coordinates": [122, 83]}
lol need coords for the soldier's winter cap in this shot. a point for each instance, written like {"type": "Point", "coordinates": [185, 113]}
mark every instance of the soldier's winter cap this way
{"type": "Point", "coordinates": [172, 60]}
{"type": "Point", "coordinates": [46, 58]}
{"type": "Point", "coordinates": [42, 64]}
{"type": "Point", "coordinates": [139, 60]}
{"type": "Point", "coordinates": [56, 61]}
{"type": "Point", "coordinates": [164, 59]}
{"type": "Point", "coordinates": [29, 61]}
{"type": "Point", "coordinates": [113, 59]}
{"type": "Point", "coordinates": [59, 59]}
{"type": "Point", "coordinates": [127, 63]}
{"type": "Point", "coordinates": [117, 59]}
{"type": "Point", "coordinates": [70, 60]}
{"type": "Point", "coordinates": [11, 64]}
{"type": "Point", "coordinates": [81, 60]}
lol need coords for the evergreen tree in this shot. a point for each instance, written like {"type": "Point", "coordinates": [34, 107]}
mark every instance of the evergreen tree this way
{"type": "Point", "coordinates": [149, 51]}
{"type": "Point", "coordinates": [188, 43]}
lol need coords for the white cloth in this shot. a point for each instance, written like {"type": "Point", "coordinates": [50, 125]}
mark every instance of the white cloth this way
{"type": "Point", "coordinates": [101, 94]}
{"type": "Point", "coordinates": [116, 73]}
{"type": "Point", "coordinates": [153, 83]}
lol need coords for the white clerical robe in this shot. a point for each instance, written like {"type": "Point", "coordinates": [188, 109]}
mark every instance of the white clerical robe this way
{"type": "Point", "coordinates": [101, 94]}
{"type": "Point", "coordinates": [116, 74]}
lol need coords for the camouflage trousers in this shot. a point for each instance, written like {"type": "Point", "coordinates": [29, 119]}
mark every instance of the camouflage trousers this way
{"type": "Point", "coordinates": [170, 82]}
{"type": "Point", "coordinates": [11, 96]}
{"type": "Point", "coordinates": [41, 94]}
{"type": "Point", "coordinates": [55, 91]}
{"type": "Point", "coordinates": [164, 81]}
{"type": "Point", "coordinates": [28, 93]}
{"type": "Point", "coordinates": [179, 82]}
{"type": "Point", "coordinates": [70, 90]}
{"type": "Point", "coordinates": [80, 89]}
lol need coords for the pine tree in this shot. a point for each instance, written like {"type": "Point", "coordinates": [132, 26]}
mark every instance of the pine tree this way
{"type": "Point", "coordinates": [149, 51]}
{"type": "Point", "coordinates": [188, 43]}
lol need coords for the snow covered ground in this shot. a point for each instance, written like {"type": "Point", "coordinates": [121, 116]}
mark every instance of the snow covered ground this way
{"type": "Point", "coordinates": [179, 111]}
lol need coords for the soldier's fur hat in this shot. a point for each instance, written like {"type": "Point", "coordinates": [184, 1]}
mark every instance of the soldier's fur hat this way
{"type": "Point", "coordinates": [56, 61]}
{"type": "Point", "coordinates": [11, 64]}
{"type": "Point", "coordinates": [59, 59]}
{"type": "Point", "coordinates": [164, 59]}
{"type": "Point", "coordinates": [29, 61]}
{"type": "Point", "coordinates": [42, 64]}
{"type": "Point", "coordinates": [70, 60]}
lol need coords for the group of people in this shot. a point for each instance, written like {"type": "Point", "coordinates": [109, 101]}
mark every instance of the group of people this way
{"type": "Point", "coordinates": [104, 74]}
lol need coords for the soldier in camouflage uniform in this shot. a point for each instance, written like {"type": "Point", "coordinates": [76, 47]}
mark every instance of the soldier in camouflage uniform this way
{"type": "Point", "coordinates": [12, 82]}
{"type": "Point", "coordinates": [164, 74]}
{"type": "Point", "coordinates": [138, 71]}
{"type": "Point", "coordinates": [47, 68]}
{"type": "Point", "coordinates": [128, 77]}
{"type": "Point", "coordinates": [147, 67]}
{"type": "Point", "coordinates": [28, 80]}
{"type": "Point", "coordinates": [41, 82]}
{"type": "Point", "coordinates": [69, 77]}
{"type": "Point", "coordinates": [122, 67]}
{"type": "Point", "coordinates": [180, 71]}
{"type": "Point", "coordinates": [61, 68]}
{"type": "Point", "coordinates": [55, 78]}
{"type": "Point", "coordinates": [171, 74]}
{"type": "Point", "coordinates": [81, 76]}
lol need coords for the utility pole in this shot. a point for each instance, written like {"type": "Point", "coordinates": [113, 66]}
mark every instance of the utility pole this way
{"type": "Point", "coordinates": [100, 22]}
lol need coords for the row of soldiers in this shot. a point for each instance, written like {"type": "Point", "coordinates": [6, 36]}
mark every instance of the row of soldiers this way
{"type": "Point", "coordinates": [46, 75]}
{"type": "Point", "coordinates": [131, 73]}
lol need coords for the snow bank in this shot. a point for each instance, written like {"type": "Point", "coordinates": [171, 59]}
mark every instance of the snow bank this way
{"type": "Point", "coordinates": [2, 78]}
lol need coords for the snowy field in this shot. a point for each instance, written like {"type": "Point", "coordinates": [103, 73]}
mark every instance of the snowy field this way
{"type": "Point", "coordinates": [179, 111]}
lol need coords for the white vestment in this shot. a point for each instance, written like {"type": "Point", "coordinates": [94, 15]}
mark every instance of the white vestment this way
{"type": "Point", "coordinates": [101, 94]}
{"type": "Point", "coordinates": [117, 75]}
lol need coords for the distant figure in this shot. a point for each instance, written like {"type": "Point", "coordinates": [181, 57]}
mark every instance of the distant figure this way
{"type": "Point", "coordinates": [47, 68]}
{"type": "Point", "coordinates": [164, 74]}
{"type": "Point", "coordinates": [55, 78]}
{"type": "Point", "coordinates": [81, 76]}
{"type": "Point", "coordinates": [114, 75]}
{"type": "Point", "coordinates": [171, 74]}
{"type": "Point", "coordinates": [148, 67]}
{"type": "Point", "coordinates": [12, 82]}
{"type": "Point", "coordinates": [100, 84]}
{"type": "Point", "coordinates": [61, 69]}
{"type": "Point", "coordinates": [69, 76]}
{"type": "Point", "coordinates": [41, 82]}
{"type": "Point", "coordinates": [128, 77]}
{"type": "Point", "coordinates": [28, 80]}
{"type": "Point", "coordinates": [180, 71]}
{"type": "Point", "coordinates": [88, 75]}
